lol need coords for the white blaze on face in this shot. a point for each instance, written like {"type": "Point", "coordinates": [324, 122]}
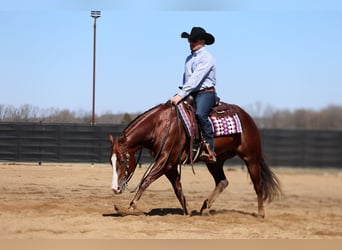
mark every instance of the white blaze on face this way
{"type": "Point", "coordinates": [115, 185]}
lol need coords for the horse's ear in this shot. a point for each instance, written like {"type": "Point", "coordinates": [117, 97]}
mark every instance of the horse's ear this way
{"type": "Point", "coordinates": [111, 138]}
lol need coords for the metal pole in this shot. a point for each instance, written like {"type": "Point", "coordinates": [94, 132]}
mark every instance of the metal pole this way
{"type": "Point", "coordinates": [94, 67]}
{"type": "Point", "coordinates": [95, 15]}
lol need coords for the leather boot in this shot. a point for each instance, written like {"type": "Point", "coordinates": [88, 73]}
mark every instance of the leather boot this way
{"type": "Point", "coordinates": [207, 155]}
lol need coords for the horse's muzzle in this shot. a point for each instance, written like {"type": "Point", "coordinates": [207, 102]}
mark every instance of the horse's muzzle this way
{"type": "Point", "coordinates": [120, 188]}
{"type": "Point", "coordinates": [117, 191]}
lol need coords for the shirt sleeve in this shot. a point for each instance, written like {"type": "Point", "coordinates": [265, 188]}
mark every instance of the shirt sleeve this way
{"type": "Point", "coordinates": [194, 81]}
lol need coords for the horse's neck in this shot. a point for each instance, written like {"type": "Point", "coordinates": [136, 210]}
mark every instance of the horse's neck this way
{"type": "Point", "coordinates": [139, 133]}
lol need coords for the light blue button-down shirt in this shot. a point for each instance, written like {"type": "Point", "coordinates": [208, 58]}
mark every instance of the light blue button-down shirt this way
{"type": "Point", "coordinates": [199, 73]}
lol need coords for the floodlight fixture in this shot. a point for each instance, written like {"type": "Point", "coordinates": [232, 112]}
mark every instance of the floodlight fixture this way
{"type": "Point", "coordinates": [95, 13]}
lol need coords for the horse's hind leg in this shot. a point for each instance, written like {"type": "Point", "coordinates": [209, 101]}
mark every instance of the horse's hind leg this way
{"type": "Point", "coordinates": [216, 170]}
{"type": "Point", "coordinates": [175, 179]}
{"type": "Point", "coordinates": [254, 170]}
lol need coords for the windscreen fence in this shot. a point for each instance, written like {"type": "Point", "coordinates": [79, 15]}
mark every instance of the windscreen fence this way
{"type": "Point", "coordinates": [83, 143]}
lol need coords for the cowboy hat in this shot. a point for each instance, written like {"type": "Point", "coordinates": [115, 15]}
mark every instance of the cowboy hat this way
{"type": "Point", "coordinates": [198, 33]}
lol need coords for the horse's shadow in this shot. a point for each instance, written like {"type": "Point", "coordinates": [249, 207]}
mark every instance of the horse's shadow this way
{"type": "Point", "coordinates": [153, 212]}
{"type": "Point", "coordinates": [165, 211]}
{"type": "Point", "coordinates": [232, 211]}
{"type": "Point", "coordinates": [179, 211]}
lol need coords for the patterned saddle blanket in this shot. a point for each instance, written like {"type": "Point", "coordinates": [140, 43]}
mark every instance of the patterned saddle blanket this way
{"type": "Point", "coordinates": [223, 117]}
{"type": "Point", "coordinates": [226, 125]}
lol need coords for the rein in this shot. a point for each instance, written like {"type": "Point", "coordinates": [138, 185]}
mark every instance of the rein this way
{"type": "Point", "coordinates": [150, 167]}
{"type": "Point", "coordinates": [191, 153]}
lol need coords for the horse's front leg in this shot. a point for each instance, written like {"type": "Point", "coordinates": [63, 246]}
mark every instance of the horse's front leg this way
{"type": "Point", "coordinates": [216, 170]}
{"type": "Point", "coordinates": [153, 175]}
{"type": "Point", "coordinates": [143, 186]}
{"type": "Point", "coordinates": [175, 179]}
{"type": "Point", "coordinates": [132, 209]}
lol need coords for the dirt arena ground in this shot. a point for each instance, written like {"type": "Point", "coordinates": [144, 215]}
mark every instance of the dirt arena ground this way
{"type": "Point", "coordinates": [69, 201]}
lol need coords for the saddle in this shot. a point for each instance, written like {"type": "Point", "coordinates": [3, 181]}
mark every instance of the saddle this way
{"type": "Point", "coordinates": [223, 117]}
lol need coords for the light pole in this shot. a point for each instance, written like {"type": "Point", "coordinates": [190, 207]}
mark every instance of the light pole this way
{"type": "Point", "coordinates": [94, 14]}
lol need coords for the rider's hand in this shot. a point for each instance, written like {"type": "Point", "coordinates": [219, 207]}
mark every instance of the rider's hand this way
{"type": "Point", "coordinates": [176, 99]}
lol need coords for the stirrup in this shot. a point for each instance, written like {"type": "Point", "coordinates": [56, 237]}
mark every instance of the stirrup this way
{"type": "Point", "coordinates": [209, 157]}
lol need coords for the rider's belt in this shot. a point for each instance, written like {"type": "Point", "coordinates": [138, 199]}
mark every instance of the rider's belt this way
{"type": "Point", "coordinates": [211, 89]}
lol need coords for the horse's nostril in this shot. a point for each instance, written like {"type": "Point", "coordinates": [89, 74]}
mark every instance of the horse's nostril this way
{"type": "Point", "coordinates": [116, 191]}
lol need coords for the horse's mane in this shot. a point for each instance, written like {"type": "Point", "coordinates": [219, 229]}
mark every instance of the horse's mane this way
{"type": "Point", "coordinates": [137, 119]}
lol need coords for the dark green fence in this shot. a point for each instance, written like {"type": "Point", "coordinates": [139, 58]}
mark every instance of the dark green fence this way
{"type": "Point", "coordinates": [317, 148]}
{"type": "Point", "coordinates": [29, 142]}
{"type": "Point", "coordinates": [25, 142]}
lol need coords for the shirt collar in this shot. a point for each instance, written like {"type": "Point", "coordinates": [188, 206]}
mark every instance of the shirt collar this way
{"type": "Point", "coordinates": [195, 53]}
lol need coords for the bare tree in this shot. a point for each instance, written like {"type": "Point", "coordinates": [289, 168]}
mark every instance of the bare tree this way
{"type": "Point", "coordinates": [2, 112]}
{"type": "Point", "coordinates": [265, 116]}
{"type": "Point", "coordinates": [126, 119]}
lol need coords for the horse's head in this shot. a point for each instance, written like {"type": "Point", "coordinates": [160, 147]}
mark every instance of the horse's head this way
{"type": "Point", "coordinates": [123, 164]}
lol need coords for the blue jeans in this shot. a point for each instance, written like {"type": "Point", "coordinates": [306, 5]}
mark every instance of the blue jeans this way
{"type": "Point", "coordinates": [204, 103]}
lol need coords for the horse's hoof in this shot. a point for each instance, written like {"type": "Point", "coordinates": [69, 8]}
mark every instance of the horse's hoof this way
{"type": "Point", "coordinates": [258, 215]}
{"type": "Point", "coordinates": [127, 211]}
{"type": "Point", "coordinates": [205, 208]}
{"type": "Point", "coordinates": [261, 216]}
{"type": "Point", "coordinates": [205, 212]}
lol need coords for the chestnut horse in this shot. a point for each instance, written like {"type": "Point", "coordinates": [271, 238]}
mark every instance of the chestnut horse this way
{"type": "Point", "coordinates": [161, 131]}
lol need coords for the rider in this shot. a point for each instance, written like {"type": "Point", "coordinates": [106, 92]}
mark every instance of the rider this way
{"type": "Point", "coordinates": [199, 80]}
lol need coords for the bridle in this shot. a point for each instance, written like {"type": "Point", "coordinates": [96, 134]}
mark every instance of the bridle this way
{"type": "Point", "coordinates": [125, 161]}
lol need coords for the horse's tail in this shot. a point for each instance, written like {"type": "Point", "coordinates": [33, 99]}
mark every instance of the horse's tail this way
{"type": "Point", "coordinates": [270, 183]}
